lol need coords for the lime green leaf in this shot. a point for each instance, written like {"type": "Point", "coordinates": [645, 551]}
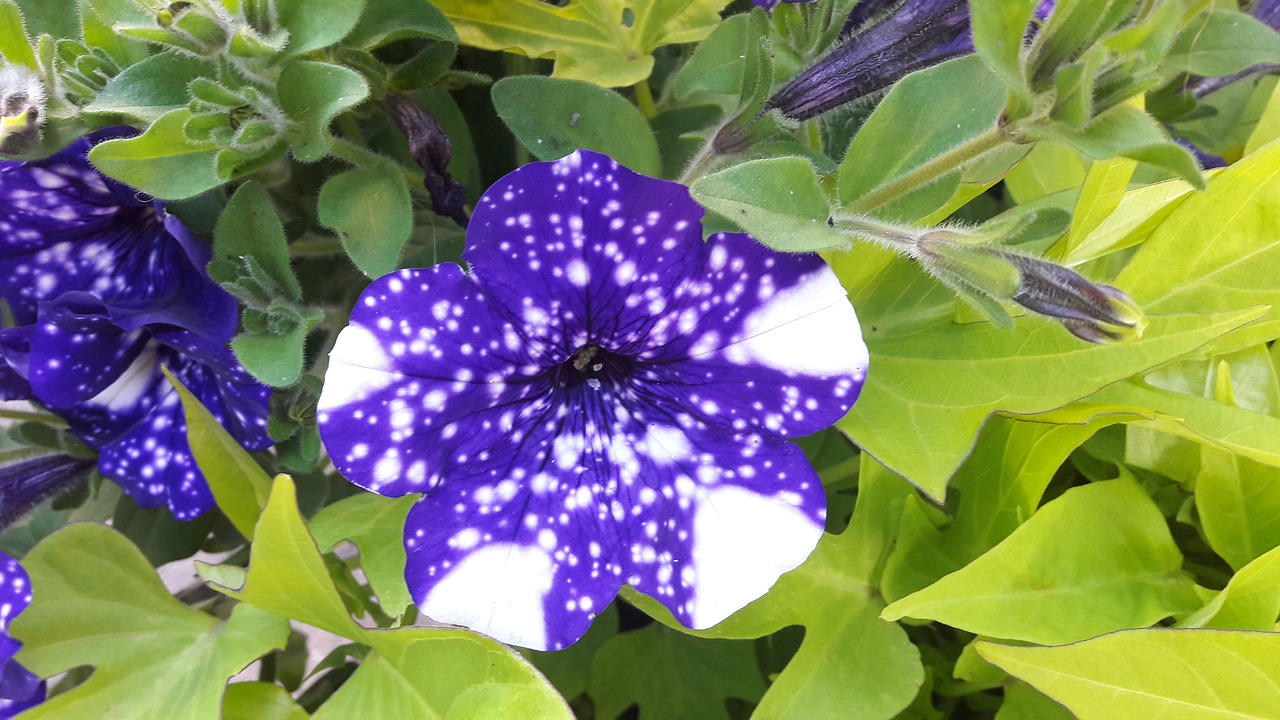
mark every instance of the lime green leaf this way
{"type": "Point", "coordinates": [1125, 131]}
{"type": "Point", "coordinates": [312, 94]}
{"type": "Point", "coordinates": [1104, 187]}
{"type": "Point", "coordinates": [778, 200]}
{"type": "Point", "coordinates": [314, 24]}
{"type": "Point", "coordinates": [852, 664]}
{"type": "Point", "coordinates": [1184, 674]}
{"type": "Point", "coordinates": [250, 227]}
{"type": "Point", "coordinates": [933, 383]}
{"type": "Point", "coordinates": [1140, 211]}
{"type": "Point", "coordinates": [239, 484]}
{"type": "Point", "coordinates": [999, 487]}
{"type": "Point", "coordinates": [98, 602]}
{"type": "Point", "coordinates": [1050, 167]}
{"type": "Point", "coordinates": [376, 525]}
{"type": "Point", "coordinates": [1268, 127]}
{"type": "Point", "coordinates": [14, 45]}
{"type": "Point", "coordinates": [590, 40]}
{"type": "Point", "coordinates": [160, 162]}
{"type": "Point", "coordinates": [372, 213]}
{"type": "Point", "coordinates": [1221, 42]}
{"type": "Point", "coordinates": [1125, 575]}
{"type": "Point", "coordinates": [149, 89]}
{"type": "Point", "coordinates": [1251, 601]}
{"type": "Point", "coordinates": [1217, 248]}
{"type": "Point", "coordinates": [686, 677]}
{"type": "Point", "coordinates": [414, 672]}
{"type": "Point", "coordinates": [260, 701]}
{"type": "Point", "coordinates": [385, 21]}
{"type": "Point", "coordinates": [998, 29]}
{"type": "Point", "coordinates": [925, 115]}
{"type": "Point", "coordinates": [553, 117]}
{"type": "Point", "coordinates": [718, 63]}
{"type": "Point", "coordinates": [1023, 702]}
{"type": "Point", "coordinates": [1239, 504]}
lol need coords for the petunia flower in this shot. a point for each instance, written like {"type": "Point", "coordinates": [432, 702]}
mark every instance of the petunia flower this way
{"type": "Point", "coordinates": [769, 4]}
{"type": "Point", "coordinates": [20, 688]}
{"type": "Point", "coordinates": [104, 286]}
{"type": "Point", "coordinates": [603, 399]}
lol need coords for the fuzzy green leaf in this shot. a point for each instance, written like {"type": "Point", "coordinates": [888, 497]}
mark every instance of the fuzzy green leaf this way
{"type": "Point", "coordinates": [314, 24]}
{"type": "Point", "coordinates": [161, 161]}
{"type": "Point", "coordinates": [149, 89]}
{"type": "Point", "coordinates": [778, 200]}
{"type": "Point", "coordinates": [372, 213]}
{"type": "Point", "coordinates": [312, 94]}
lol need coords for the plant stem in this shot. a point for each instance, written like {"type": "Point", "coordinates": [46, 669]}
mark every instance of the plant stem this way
{"type": "Point", "coordinates": [930, 171]}
{"type": "Point", "coordinates": [31, 416]}
{"type": "Point", "coordinates": [644, 99]}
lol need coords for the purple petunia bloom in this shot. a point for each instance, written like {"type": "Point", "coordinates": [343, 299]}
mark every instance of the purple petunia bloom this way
{"type": "Point", "coordinates": [769, 4]}
{"type": "Point", "coordinates": [604, 399]}
{"type": "Point", "coordinates": [105, 287]}
{"type": "Point", "coordinates": [20, 689]}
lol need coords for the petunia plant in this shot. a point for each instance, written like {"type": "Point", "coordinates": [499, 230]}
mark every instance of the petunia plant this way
{"type": "Point", "coordinates": [639, 359]}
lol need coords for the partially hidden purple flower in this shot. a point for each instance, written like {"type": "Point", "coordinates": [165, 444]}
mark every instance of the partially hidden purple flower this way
{"type": "Point", "coordinates": [604, 399]}
{"type": "Point", "coordinates": [769, 4]}
{"type": "Point", "coordinates": [105, 287]}
{"type": "Point", "coordinates": [20, 688]}
{"type": "Point", "coordinates": [27, 482]}
{"type": "Point", "coordinates": [916, 35]}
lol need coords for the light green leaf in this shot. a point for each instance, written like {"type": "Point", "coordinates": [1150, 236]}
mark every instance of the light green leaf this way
{"type": "Point", "coordinates": [999, 487]}
{"type": "Point", "coordinates": [1104, 187]}
{"type": "Point", "coordinates": [1036, 588]}
{"type": "Point", "coordinates": [312, 94]}
{"type": "Point", "coordinates": [933, 383]}
{"type": "Point", "coordinates": [998, 29]}
{"type": "Point", "coordinates": [590, 40]}
{"type": "Point", "coordinates": [314, 24]}
{"type": "Point", "coordinates": [249, 226]}
{"type": "Point", "coordinates": [149, 89]}
{"type": "Point", "coordinates": [718, 63]}
{"type": "Point", "coordinates": [1268, 127]}
{"type": "Point", "coordinates": [852, 664]}
{"type": "Point", "coordinates": [1251, 601]}
{"type": "Point", "coordinates": [240, 486]}
{"type": "Point", "coordinates": [372, 213]}
{"type": "Point", "coordinates": [1239, 504]}
{"type": "Point", "coordinates": [98, 602]}
{"type": "Point", "coordinates": [1221, 42]}
{"type": "Point", "coordinates": [14, 45]}
{"type": "Point", "coordinates": [1023, 702]}
{"type": "Point", "coordinates": [376, 525]}
{"type": "Point", "coordinates": [553, 117]}
{"type": "Point", "coordinates": [1184, 674]}
{"type": "Point", "coordinates": [161, 161]}
{"type": "Point", "coordinates": [1051, 167]}
{"type": "Point", "coordinates": [684, 677]}
{"type": "Point", "coordinates": [1140, 211]}
{"type": "Point", "coordinates": [778, 200]}
{"type": "Point", "coordinates": [260, 701]}
{"type": "Point", "coordinates": [385, 21]}
{"type": "Point", "coordinates": [927, 114]}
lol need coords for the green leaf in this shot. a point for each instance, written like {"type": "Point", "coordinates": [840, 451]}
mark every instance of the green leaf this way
{"type": "Point", "coordinates": [553, 117]}
{"type": "Point", "coordinates": [1125, 131]}
{"type": "Point", "coordinates": [98, 602]}
{"type": "Point", "coordinates": [590, 40]}
{"type": "Point", "coordinates": [161, 161]}
{"type": "Point", "coordinates": [249, 227]}
{"type": "Point", "coordinates": [717, 65]}
{"type": "Point", "coordinates": [1139, 212]}
{"type": "Point", "coordinates": [273, 359]}
{"type": "Point", "coordinates": [686, 677]}
{"type": "Point", "coordinates": [1251, 601]}
{"type": "Point", "coordinates": [149, 89]}
{"type": "Point", "coordinates": [778, 200]}
{"type": "Point", "coordinates": [927, 114]}
{"type": "Point", "coordinates": [569, 670]}
{"type": "Point", "coordinates": [851, 664]}
{"type": "Point", "coordinates": [1124, 573]}
{"type": "Point", "coordinates": [239, 484]}
{"type": "Point", "coordinates": [1268, 126]}
{"type": "Point", "coordinates": [14, 45]}
{"type": "Point", "coordinates": [1104, 187]}
{"type": "Point", "coordinates": [260, 701]}
{"type": "Point", "coordinates": [1239, 504]}
{"type": "Point", "coordinates": [413, 671]}
{"type": "Point", "coordinates": [1050, 167]}
{"type": "Point", "coordinates": [933, 383]}
{"type": "Point", "coordinates": [1023, 702]}
{"type": "Point", "coordinates": [998, 29]}
{"type": "Point", "coordinates": [58, 18]}
{"type": "Point", "coordinates": [999, 487]}
{"type": "Point", "coordinates": [376, 525]}
{"type": "Point", "coordinates": [314, 24]}
{"type": "Point", "coordinates": [1187, 674]}
{"type": "Point", "coordinates": [1221, 42]}
{"type": "Point", "coordinates": [312, 94]}
{"type": "Point", "coordinates": [385, 21]}
{"type": "Point", "coordinates": [372, 213]}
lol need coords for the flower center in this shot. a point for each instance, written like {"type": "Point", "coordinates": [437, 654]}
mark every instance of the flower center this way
{"type": "Point", "coordinates": [593, 366]}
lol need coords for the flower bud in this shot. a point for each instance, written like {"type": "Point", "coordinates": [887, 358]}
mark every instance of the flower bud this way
{"type": "Point", "coordinates": [22, 104]}
{"type": "Point", "coordinates": [432, 150]}
{"type": "Point", "coordinates": [1093, 312]}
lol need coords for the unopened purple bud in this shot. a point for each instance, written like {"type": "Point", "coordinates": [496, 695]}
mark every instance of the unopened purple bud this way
{"type": "Point", "coordinates": [26, 483]}
{"type": "Point", "coordinates": [1090, 311]}
{"type": "Point", "coordinates": [432, 150]}
{"type": "Point", "coordinates": [768, 4]}
{"type": "Point", "coordinates": [916, 35]}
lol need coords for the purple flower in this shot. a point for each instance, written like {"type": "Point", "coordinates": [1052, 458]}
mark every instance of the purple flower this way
{"type": "Point", "coordinates": [768, 4]}
{"type": "Point", "coordinates": [19, 687]}
{"type": "Point", "coordinates": [604, 399]}
{"type": "Point", "coordinates": [916, 35]}
{"type": "Point", "coordinates": [24, 484]}
{"type": "Point", "coordinates": [105, 286]}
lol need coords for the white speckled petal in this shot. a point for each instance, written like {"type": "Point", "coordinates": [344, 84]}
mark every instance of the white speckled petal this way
{"type": "Point", "coordinates": [19, 687]}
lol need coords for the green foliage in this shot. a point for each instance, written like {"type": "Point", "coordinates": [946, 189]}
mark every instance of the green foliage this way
{"type": "Point", "coordinates": [98, 602]}
{"type": "Point", "coordinates": [371, 211]}
{"type": "Point", "coordinates": [553, 117]}
{"type": "Point", "coordinates": [145, 91]}
{"type": "Point", "coordinates": [778, 200]}
{"type": "Point", "coordinates": [590, 40]}
{"type": "Point", "coordinates": [1220, 42]}
{"type": "Point", "coordinates": [376, 525]}
{"type": "Point", "coordinates": [312, 94]}
{"type": "Point", "coordinates": [161, 161]}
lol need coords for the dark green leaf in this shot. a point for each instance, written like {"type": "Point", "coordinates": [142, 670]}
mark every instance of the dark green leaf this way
{"type": "Point", "coordinates": [384, 21]}
{"type": "Point", "coordinates": [312, 94]}
{"type": "Point", "coordinates": [314, 24]}
{"type": "Point", "coordinates": [160, 162]}
{"type": "Point", "coordinates": [1221, 42]}
{"type": "Point", "coordinates": [372, 213]}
